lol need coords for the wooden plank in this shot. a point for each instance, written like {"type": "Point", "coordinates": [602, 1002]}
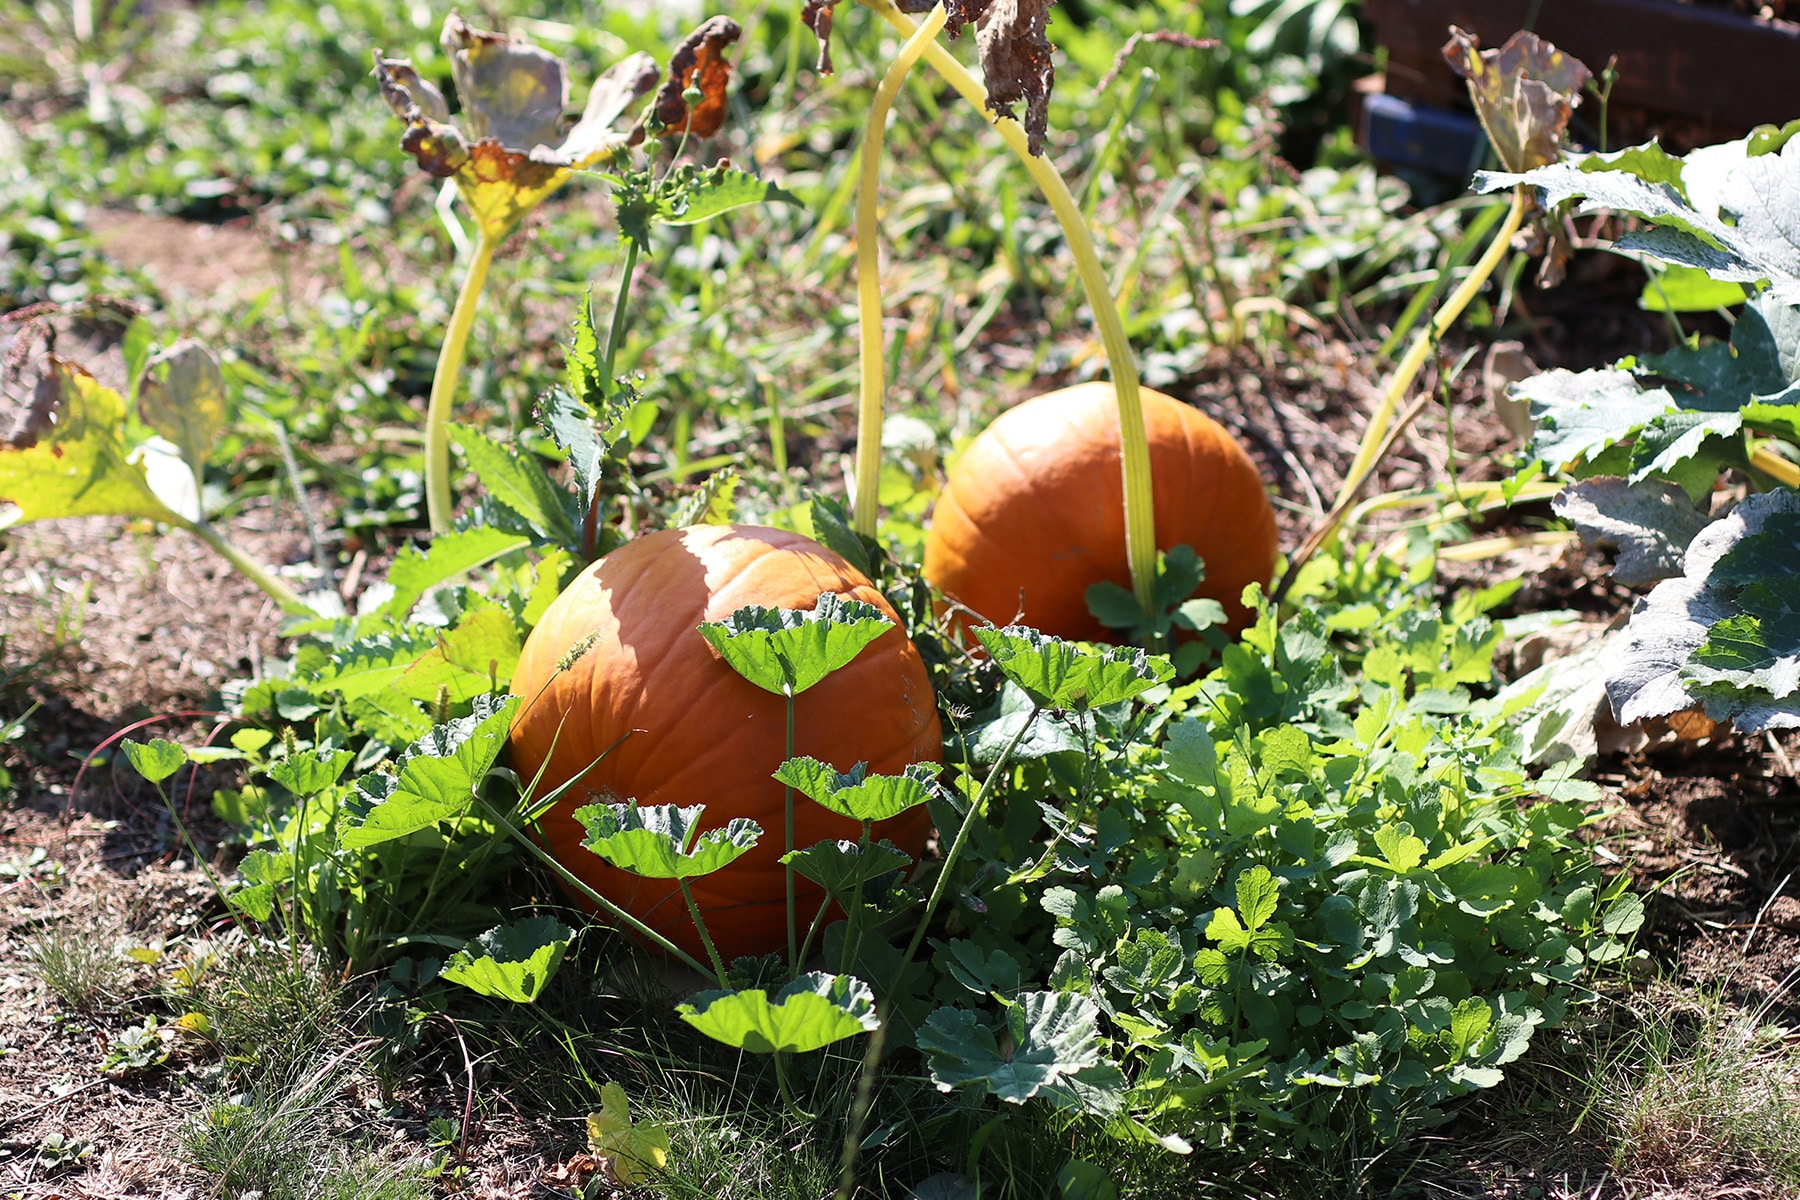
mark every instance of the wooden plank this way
{"type": "Point", "coordinates": [1715, 68]}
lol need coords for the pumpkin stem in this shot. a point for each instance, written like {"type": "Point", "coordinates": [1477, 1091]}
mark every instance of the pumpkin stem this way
{"type": "Point", "coordinates": [1368, 453]}
{"type": "Point", "coordinates": [868, 276]}
{"type": "Point", "coordinates": [788, 806]}
{"type": "Point", "coordinates": [1382, 430]}
{"type": "Point", "coordinates": [1134, 442]}
{"type": "Point", "coordinates": [438, 504]}
{"type": "Point", "coordinates": [285, 597]}
{"type": "Point", "coordinates": [712, 952]}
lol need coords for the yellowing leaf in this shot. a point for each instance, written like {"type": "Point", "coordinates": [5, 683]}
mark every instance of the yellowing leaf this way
{"type": "Point", "coordinates": [631, 1152]}
{"type": "Point", "coordinates": [71, 457]}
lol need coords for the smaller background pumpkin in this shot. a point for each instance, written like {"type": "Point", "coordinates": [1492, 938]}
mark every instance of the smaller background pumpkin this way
{"type": "Point", "coordinates": [1033, 512]}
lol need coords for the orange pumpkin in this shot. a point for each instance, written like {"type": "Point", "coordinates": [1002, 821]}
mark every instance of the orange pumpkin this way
{"type": "Point", "coordinates": [699, 732]}
{"type": "Point", "coordinates": [1033, 513]}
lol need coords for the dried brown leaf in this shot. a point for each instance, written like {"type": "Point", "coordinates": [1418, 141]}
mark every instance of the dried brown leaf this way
{"type": "Point", "coordinates": [816, 15]}
{"type": "Point", "coordinates": [1524, 93]}
{"type": "Point", "coordinates": [699, 62]}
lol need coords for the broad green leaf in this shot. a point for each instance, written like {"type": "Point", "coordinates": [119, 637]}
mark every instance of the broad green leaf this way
{"type": "Point", "coordinates": [993, 729]}
{"type": "Point", "coordinates": [1400, 848]}
{"type": "Point", "coordinates": [1650, 524]}
{"type": "Point", "coordinates": [436, 778]}
{"type": "Point", "coordinates": [786, 650]}
{"type": "Point", "coordinates": [70, 457]}
{"type": "Point", "coordinates": [1723, 633]}
{"type": "Point", "coordinates": [309, 772]}
{"type": "Point", "coordinates": [156, 759]}
{"type": "Point", "coordinates": [1257, 895]}
{"type": "Point", "coordinates": [476, 657]}
{"type": "Point", "coordinates": [1063, 674]}
{"type": "Point", "coordinates": [256, 901]}
{"type": "Point", "coordinates": [663, 841]}
{"type": "Point", "coordinates": [511, 962]}
{"type": "Point", "coordinates": [856, 793]}
{"type": "Point", "coordinates": [839, 866]}
{"type": "Point", "coordinates": [1053, 1035]}
{"type": "Point", "coordinates": [983, 972]}
{"type": "Point", "coordinates": [182, 397]}
{"type": "Point", "coordinates": [808, 1014]}
{"type": "Point", "coordinates": [452, 554]}
{"type": "Point", "coordinates": [633, 1151]}
{"type": "Point", "coordinates": [1688, 289]}
{"type": "Point", "coordinates": [517, 482]}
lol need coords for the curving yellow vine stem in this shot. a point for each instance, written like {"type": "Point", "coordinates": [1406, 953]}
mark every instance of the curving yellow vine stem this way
{"type": "Point", "coordinates": [868, 276]}
{"type": "Point", "coordinates": [1140, 516]}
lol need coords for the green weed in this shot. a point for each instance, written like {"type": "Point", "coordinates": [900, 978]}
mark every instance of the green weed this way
{"type": "Point", "coordinates": [81, 963]}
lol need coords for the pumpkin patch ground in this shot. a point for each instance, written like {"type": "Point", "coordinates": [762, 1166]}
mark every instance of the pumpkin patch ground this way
{"type": "Point", "coordinates": [1306, 896]}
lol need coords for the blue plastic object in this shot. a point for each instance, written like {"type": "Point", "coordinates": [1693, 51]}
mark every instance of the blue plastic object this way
{"type": "Point", "coordinates": [1426, 139]}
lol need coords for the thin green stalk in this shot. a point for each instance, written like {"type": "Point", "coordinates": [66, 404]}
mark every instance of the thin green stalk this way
{"type": "Point", "coordinates": [1368, 453]}
{"type": "Point", "coordinates": [285, 597]}
{"type": "Point", "coordinates": [852, 919]}
{"type": "Point", "coordinates": [1134, 444]}
{"type": "Point", "coordinates": [438, 504]}
{"type": "Point", "coordinates": [712, 952]}
{"type": "Point", "coordinates": [865, 1083]}
{"type": "Point", "coordinates": [615, 335]}
{"type": "Point", "coordinates": [868, 275]}
{"type": "Point", "coordinates": [788, 805]}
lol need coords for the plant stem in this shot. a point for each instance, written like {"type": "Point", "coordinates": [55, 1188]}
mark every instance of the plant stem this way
{"type": "Point", "coordinates": [788, 805]}
{"type": "Point", "coordinates": [601, 902]}
{"type": "Point", "coordinates": [1368, 453]}
{"type": "Point", "coordinates": [868, 276]}
{"type": "Point", "coordinates": [1134, 445]}
{"type": "Point", "coordinates": [1771, 463]}
{"type": "Point", "coordinates": [284, 596]}
{"type": "Point", "coordinates": [443, 387]}
{"type": "Point", "coordinates": [712, 952]}
{"type": "Point", "coordinates": [616, 333]}
{"type": "Point", "coordinates": [865, 1084]}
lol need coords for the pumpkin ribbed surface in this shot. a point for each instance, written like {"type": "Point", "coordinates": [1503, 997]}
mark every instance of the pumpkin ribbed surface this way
{"type": "Point", "coordinates": [700, 733]}
{"type": "Point", "coordinates": [1033, 513]}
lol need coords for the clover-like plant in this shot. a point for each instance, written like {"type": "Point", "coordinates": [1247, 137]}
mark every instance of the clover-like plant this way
{"type": "Point", "coordinates": [510, 153]}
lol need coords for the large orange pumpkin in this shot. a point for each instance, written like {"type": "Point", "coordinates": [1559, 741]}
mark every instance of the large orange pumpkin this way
{"type": "Point", "coordinates": [1033, 513]}
{"type": "Point", "coordinates": [700, 733]}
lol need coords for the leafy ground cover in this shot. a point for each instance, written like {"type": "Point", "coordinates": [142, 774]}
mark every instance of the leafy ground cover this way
{"type": "Point", "coordinates": [1303, 920]}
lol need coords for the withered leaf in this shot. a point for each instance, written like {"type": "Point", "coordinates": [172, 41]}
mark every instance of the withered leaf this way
{"type": "Point", "coordinates": [39, 416]}
{"type": "Point", "coordinates": [437, 145]}
{"type": "Point", "coordinates": [1016, 61]}
{"type": "Point", "coordinates": [816, 15]}
{"type": "Point", "coordinates": [699, 62]}
{"type": "Point", "coordinates": [1524, 93]}
{"type": "Point", "coordinates": [623, 85]}
{"type": "Point", "coordinates": [510, 91]}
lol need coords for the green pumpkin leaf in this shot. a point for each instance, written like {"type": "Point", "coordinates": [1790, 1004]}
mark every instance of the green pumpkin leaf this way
{"type": "Point", "coordinates": [663, 841]}
{"type": "Point", "coordinates": [512, 962]}
{"type": "Point", "coordinates": [1054, 1035]}
{"type": "Point", "coordinates": [437, 777]}
{"type": "Point", "coordinates": [156, 759]}
{"type": "Point", "coordinates": [70, 457]}
{"type": "Point", "coordinates": [839, 866]}
{"type": "Point", "coordinates": [309, 772]}
{"type": "Point", "coordinates": [808, 1014]}
{"type": "Point", "coordinates": [856, 793]}
{"type": "Point", "coordinates": [787, 650]}
{"type": "Point", "coordinates": [1064, 674]}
